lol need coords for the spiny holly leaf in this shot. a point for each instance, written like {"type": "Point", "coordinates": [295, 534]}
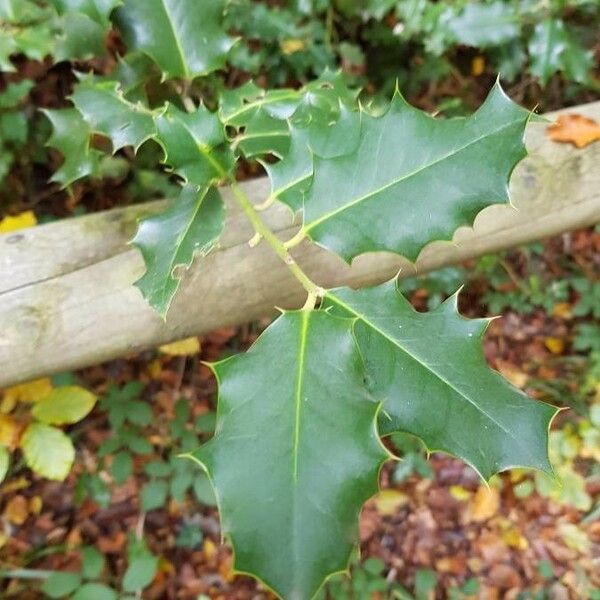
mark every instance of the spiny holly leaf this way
{"type": "Point", "coordinates": [169, 241]}
{"type": "Point", "coordinates": [295, 452]}
{"type": "Point", "coordinates": [482, 25]}
{"type": "Point", "coordinates": [185, 38]}
{"type": "Point", "coordinates": [325, 135]}
{"type": "Point", "coordinates": [107, 112]}
{"type": "Point", "coordinates": [431, 373]}
{"type": "Point", "coordinates": [323, 118]}
{"type": "Point", "coordinates": [195, 145]}
{"type": "Point", "coordinates": [553, 48]}
{"type": "Point", "coordinates": [413, 178]}
{"type": "Point", "coordinates": [97, 10]}
{"type": "Point", "coordinates": [71, 136]}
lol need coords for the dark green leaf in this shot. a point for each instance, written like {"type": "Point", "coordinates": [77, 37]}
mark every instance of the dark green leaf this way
{"type": "Point", "coordinates": [141, 569]}
{"type": "Point", "coordinates": [92, 562]}
{"type": "Point", "coordinates": [482, 25]}
{"type": "Point", "coordinates": [195, 145]}
{"type": "Point", "coordinates": [154, 495]}
{"type": "Point", "coordinates": [121, 467]}
{"type": "Point", "coordinates": [431, 177]}
{"type": "Point", "coordinates": [443, 392]}
{"type": "Point", "coordinates": [184, 37]}
{"type": "Point", "coordinates": [109, 113]}
{"type": "Point", "coordinates": [290, 503]}
{"type": "Point", "coordinates": [169, 242]}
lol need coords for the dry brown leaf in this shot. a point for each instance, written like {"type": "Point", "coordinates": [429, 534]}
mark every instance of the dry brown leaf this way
{"type": "Point", "coordinates": [574, 129]}
{"type": "Point", "coordinates": [514, 375]}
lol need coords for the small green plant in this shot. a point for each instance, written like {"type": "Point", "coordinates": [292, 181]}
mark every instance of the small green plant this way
{"type": "Point", "coordinates": [168, 476]}
{"type": "Point", "coordinates": [88, 583]}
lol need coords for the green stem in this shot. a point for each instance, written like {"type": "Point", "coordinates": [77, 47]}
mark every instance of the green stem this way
{"type": "Point", "coordinates": [261, 228]}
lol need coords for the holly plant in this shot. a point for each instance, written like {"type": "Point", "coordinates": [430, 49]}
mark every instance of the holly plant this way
{"type": "Point", "coordinates": [297, 447]}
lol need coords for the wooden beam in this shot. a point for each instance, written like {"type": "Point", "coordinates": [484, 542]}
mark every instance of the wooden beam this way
{"type": "Point", "coordinates": [66, 289]}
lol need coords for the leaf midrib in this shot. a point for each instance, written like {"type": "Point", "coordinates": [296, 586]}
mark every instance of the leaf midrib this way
{"type": "Point", "coordinates": [177, 42]}
{"type": "Point", "coordinates": [419, 361]}
{"type": "Point", "coordinates": [331, 214]}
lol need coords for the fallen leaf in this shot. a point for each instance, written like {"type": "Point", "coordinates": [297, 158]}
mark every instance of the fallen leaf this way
{"type": "Point", "coordinates": [186, 347]}
{"type": "Point", "coordinates": [17, 510]}
{"type": "Point", "coordinates": [484, 504]}
{"type": "Point", "coordinates": [555, 345]}
{"type": "Point", "coordinates": [458, 492]}
{"type": "Point", "coordinates": [35, 505]}
{"type": "Point", "coordinates": [478, 66]}
{"type": "Point", "coordinates": [31, 391]}
{"type": "Point", "coordinates": [25, 219]}
{"type": "Point", "coordinates": [292, 46]}
{"type": "Point", "coordinates": [574, 129]}
{"type": "Point", "coordinates": [563, 310]}
{"type": "Point", "coordinates": [10, 431]}
{"type": "Point", "coordinates": [389, 501]}
{"type": "Point", "coordinates": [514, 375]}
{"type": "Point", "coordinates": [574, 538]}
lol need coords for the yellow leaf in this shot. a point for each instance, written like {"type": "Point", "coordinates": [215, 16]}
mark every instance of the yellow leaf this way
{"type": "Point", "coordinates": [512, 537]}
{"type": "Point", "coordinates": [555, 345]}
{"type": "Point", "coordinates": [209, 548]}
{"type": "Point", "coordinates": [32, 391]}
{"type": "Point", "coordinates": [154, 369]}
{"type": "Point", "coordinates": [478, 66]}
{"type": "Point", "coordinates": [17, 510]}
{"type": "Point", "coordinates": [458, 492]}
{"type": "Point", "coordinates": [562, 310]}
{"type": "Point", "coordinates": [9, 432]}
{"type": "Point", "coordinates": [25, 219]}
{"type": "Point", "coordinates": [389, 501]}
{"type": "Point", "coordinates": [485, 504]}
{"type": "Point", "coordinates": [186, 347]}
{"type": "Point", "coordinates": [35, 505]}
{"type": "Point", "coordinates": [291, 46]}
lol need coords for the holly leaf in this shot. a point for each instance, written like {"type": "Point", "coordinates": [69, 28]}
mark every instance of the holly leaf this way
{"type": "Point", "coordinates": [553, 48]}
{"type": "Point", "coordinates": [107, 111]}
{"type": "Point", "coordinates": [430, 371]}
{"type": "Point", "coordinates": [290, 504]}
{"type": "Point", "coordinates": [71, 137]}
{"type": "Point", "coordinates": [97, 10]}
{"type": "Point", "coordinates": [185, 38]}
{"type": "Point", "coordinates": [195, 145]}
{"type": "Point", "coordinates": [484, 25]}
{"type": "Point", "coordinates": [421, 177]}
{"type": "Point", "coordinates": [169, 241]}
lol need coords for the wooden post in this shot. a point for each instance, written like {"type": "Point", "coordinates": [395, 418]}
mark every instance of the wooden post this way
{"type": "Point", "coordinates": [66, 289]}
